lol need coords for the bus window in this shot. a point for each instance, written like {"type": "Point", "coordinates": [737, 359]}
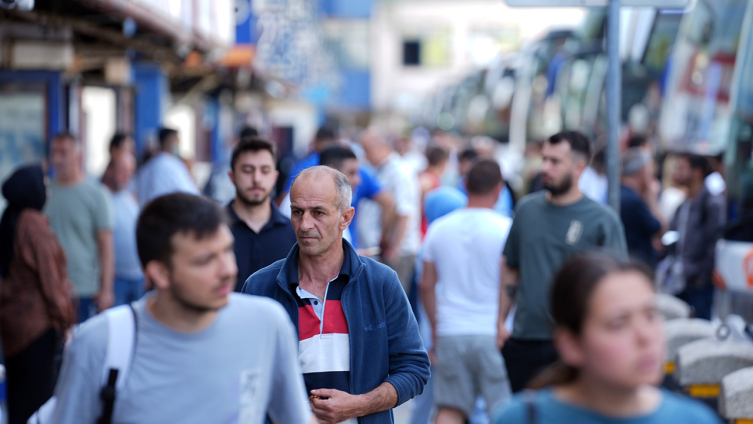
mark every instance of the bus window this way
{"type": "Point", "coordinates": [739, 157]}
{"type": "Point", "coordinates": [697, 114]}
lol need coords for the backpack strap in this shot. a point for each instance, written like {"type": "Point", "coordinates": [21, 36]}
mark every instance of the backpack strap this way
{"type": "Point", "coordinates": [121, 344]}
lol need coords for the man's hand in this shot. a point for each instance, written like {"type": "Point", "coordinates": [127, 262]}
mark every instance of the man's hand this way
{"type": "Point", "coordinates": [333, 406]}
{"type": "Point", "coordinates": [653, 188]}
{"type": "Point", "coordinates": [104, 299]}
{"type": "Point", "coordinates": [502, 335]}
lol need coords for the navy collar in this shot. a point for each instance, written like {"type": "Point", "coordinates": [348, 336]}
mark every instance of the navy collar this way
{"type": "Point", "coordinates": [276, 218]}
{"type": "Point", "coordinates": [287, 278]}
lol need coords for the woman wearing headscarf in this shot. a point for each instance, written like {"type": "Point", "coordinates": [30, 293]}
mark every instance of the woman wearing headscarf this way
{"type": "Point", "coordinates": [35, 303]}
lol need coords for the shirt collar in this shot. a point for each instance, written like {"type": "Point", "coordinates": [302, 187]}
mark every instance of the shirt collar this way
{"type": "Point", "coordinates": [276, 218]}
{"type": "Point", "coordinates": [289, 272]}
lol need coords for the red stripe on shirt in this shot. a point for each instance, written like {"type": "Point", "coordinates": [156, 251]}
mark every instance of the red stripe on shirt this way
{"type": "Point", "coordinates": [308, 322]}
{"type": "Point", "coordinates": [334, 318]}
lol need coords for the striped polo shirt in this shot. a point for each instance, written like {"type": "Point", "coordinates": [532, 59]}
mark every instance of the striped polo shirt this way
{"type": "Point", "coordinates": [324, 343]}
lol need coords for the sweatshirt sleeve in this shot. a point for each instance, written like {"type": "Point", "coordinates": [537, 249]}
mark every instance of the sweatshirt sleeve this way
{"type": "Point", "coordinates": [409, 362]}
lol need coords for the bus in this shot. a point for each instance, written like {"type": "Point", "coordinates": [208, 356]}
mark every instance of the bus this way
{"type": "Point", "coordinates": [708, 110]}
{"type": "Point", "coordinates": [734, 253]}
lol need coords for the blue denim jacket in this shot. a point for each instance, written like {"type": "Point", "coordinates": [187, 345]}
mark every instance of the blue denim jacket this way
{"type": "Point", "coordinates": [385, 345]}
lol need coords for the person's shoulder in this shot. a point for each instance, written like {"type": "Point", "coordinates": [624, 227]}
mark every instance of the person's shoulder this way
{"type": "Point", "coordinates": [447, 221]}
{"type": "Point", "coordinates": [496, 218]}
{"type": "Point", "coordinates": [264, 279]}
{"type": "Point", "coordinates": [95, 187]}
{"type": "Point", "coordinates": [256, 307]}
{"type": "Point", "coordinates": [89, 340]}
{"type": "Point", "coordinates": [377, 272]}
{"type": "Point", "coordinates": [535, 199]}
{"type": "Point", "coordinates": [513, 412]}
{"type": "Point", "coordinates": [679, 408]}
{"type": "Point", "coordinates": [599, 209]}
{"type": "Point", "coordinates": [32, 219]}
{"type": "Point", "coordinates": [628, 196]}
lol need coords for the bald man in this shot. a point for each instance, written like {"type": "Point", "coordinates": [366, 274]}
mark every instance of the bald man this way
{"type": "Point", "coordinates": [360, 351]}
{"type": "Point", "coordinates": [129, 279]}
{"type": "Point", "coordinates": [404, 239]}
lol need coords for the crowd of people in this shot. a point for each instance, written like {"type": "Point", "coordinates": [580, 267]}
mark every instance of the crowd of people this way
{"type": "Point", "coordinates": [394, 272]}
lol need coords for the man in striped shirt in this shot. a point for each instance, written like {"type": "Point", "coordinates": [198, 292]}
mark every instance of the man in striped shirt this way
{"type": "Point", "coordinates": [359, 347]}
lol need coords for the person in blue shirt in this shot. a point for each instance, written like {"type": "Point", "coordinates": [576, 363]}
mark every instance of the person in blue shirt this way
{"type": "Point", "coordinates": [610, 338]}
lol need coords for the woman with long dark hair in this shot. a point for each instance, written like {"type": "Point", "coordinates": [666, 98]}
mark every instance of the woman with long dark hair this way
{"type": "Point", "coordinates": [35, 303]}
{"type": "Point", "coordinates": [610, 338]}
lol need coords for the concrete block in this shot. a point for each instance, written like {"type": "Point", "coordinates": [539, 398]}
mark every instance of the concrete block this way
{"type": "Point", "coordinates": [708, 361]}
{"type": "Point", "coordinates": [736, 396]}
{"type": "Point", "coordinates": [671, 307]}
{"type": "Point", "coordinates": [680, 332]}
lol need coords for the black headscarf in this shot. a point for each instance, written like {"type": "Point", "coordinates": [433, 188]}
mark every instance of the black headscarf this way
{"type": "Point", "coordinates": [24, 189]}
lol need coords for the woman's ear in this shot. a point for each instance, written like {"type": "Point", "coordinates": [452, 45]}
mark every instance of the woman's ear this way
{"type": "Point", "coordinates": [569, 347]}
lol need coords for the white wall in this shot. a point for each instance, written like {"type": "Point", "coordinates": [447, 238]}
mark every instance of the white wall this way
{"type": "Point", "coordinates": [98, 104]}
{"type": "Point", "coordinates": [395, 87]}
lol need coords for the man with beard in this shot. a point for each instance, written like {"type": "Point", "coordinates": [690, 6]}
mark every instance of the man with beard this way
{"type": "Point", "coordinates": [549, 227]}
{"type": "Point", "coordinates": [202, 354]}
{"type": "Point", "coordinates": [262, 234]}
{"type": "Point", "coordinates": [699, 221]}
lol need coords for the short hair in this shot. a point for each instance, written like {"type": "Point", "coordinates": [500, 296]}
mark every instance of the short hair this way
{"type": "Point", "coordinates": [637, 140]}
{"type": "Point", "coordinates": [485, 175]}
{"type": "Point", "coordinates": [578, 142]}
{"type": "Point", "coordinates": [436, 155]}
{"type": "Point", "coordinates": [468, 154]}
{"type": "Point", "coordinates": [633, 160]}
{"type": "Point", "coordinates": [325, 133]}
{"type": "Point", "coordinates": [342, 185]}
{"type": "Point", "coordinates": [697, 162]}
{"type": "Point", "coordinates": [164, 134]}
{"type": "Point", "coordinates": [169, 215]}
{"type": "Point", "coordinates": [252, 144]}
{"type": "Point", "coordinates": [248, 131]}
{"type": "Point", "coordinates": [117, 140]}
{"type": "Point", "coordinates": [335, 156]}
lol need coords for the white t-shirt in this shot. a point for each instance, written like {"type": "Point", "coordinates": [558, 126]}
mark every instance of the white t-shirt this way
{"type": "Point", "coordinates": [594, 185]}
{"type": "Point", "coordinates": [466, 249]}
{"type": "Point", "coordinates": [163, 174]}
{"type": "Point", "coordinates": [399, 178]}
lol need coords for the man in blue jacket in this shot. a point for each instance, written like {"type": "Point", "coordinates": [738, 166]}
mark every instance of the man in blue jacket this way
{"type": "Point", "coordinates": [359, 346]}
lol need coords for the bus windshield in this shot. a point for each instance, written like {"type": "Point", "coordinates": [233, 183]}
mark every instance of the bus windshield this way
{"type": "Point", "coordinates": [696, 114]}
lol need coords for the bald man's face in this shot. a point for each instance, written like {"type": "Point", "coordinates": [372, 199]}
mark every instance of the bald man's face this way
{"type": "Point", "coordinates": [317, 223]}
{"type": "Point", "coordinates": [374, 148]}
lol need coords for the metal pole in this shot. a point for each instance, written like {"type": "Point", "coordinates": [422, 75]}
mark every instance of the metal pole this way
{"type": "Point", "coordinates": [614, 102]}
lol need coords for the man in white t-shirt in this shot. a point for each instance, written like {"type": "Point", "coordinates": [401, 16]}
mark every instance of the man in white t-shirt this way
{"type": "Point", "coordinates": [460, 291]}
{"type": "Point", "coordinates": [400, 179]}
{"type": "Point", "coordinates": [165, 172]}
